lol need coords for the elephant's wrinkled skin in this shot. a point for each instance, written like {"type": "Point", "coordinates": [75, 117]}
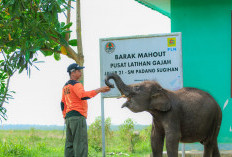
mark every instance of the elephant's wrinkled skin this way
{"type": "Point", "coordinates": [186, 115]}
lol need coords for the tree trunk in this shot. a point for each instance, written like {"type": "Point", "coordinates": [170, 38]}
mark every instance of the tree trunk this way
{"type": "Point", "coordinates": [67, 35]}
{"type": "Point", "coordinates": [79, 38]}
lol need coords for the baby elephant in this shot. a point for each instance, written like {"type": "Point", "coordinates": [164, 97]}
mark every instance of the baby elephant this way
{"type": "Point", "coordinates": [186, 115]}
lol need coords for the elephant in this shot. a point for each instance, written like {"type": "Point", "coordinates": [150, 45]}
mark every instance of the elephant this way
{"type": "Point", "coordinates": [186, 115]}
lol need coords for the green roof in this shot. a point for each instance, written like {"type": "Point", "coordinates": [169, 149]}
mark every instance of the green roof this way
{"type": "Point", "coordinates": [162, 6]}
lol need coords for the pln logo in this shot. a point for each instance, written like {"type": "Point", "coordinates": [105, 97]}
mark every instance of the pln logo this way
{"type": "Point", "coordinates": [171, 44]}
{"type": "Point", "coordinates": [109, 47]}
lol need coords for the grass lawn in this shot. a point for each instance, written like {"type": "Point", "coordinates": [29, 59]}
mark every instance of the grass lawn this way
{"type": "Point", "coordinates": [40, 143]}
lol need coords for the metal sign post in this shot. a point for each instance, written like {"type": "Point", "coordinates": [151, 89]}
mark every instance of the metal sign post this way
{"type": "Point", "coordinates": [183, 150]}
{"type": "Point", "coordinates": [103, 126]}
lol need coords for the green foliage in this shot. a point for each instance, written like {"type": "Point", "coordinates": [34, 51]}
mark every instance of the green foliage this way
{"type": "Point", "coordinates": [127, 127]}
{"type": "Point", "coordinates": [126, 140]}
{"type": "Point", "coordinates": [11, 148]}
{"type": "Point", "coordinates": [73, 42]}
{"type": "Point", "coordinates": [26, 28]}
{"type": "Point", "coordinates": [3, 113]}
{"type": "Point", "coordinates": [95, 133]}
{"type": "Point", "coordinates": [39, 143]}
{"type": "Point", "coordinates": [32, 25]}
{"type": "Point", "coordinates": [4, 96]}
{"type": "Point", "coordinates": [92, 151]}
{"type": "Point", "coordinates": [127, 134]}
{"type": "Point", "coordinates": [144, 144]}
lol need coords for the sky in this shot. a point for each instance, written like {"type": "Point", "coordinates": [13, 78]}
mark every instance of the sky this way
{"type": "Point", "coordinates": [37, 99]}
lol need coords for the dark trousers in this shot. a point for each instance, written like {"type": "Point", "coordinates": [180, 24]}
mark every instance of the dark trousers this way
{"type": "Point", "coordinates": [76, 144]}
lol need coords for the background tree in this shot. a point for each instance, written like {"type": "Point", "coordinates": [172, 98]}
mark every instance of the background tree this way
{"type": "Point", "coordinates": [28, 27]}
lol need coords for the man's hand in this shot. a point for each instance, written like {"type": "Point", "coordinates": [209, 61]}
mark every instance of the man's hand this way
{"type": "Point", "coordinates": [103, 89]}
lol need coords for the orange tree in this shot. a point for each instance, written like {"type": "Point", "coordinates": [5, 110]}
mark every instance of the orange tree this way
{"type": "Point", "coordinates": [28, 27]}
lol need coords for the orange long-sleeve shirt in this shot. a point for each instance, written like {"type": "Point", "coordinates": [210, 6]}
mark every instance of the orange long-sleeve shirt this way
{"type": "Point", "coordinates": [74, 98]}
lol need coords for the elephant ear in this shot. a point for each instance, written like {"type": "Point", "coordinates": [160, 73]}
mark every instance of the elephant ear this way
{"type": "Point", "coordinates": [160, 101]}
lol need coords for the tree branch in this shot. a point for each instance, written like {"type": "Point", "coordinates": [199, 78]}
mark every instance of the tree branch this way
{"type": "Point", "coordinates": [71, 53]}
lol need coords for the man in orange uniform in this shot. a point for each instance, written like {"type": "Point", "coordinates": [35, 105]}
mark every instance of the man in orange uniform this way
{"type": "Point", "coordinates": [74, 108]}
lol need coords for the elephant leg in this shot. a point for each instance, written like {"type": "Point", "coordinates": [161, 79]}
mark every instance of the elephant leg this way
{"type": "Point", "coordinates": [157, 142]}
{"type": "Point", "coordinates": [208, 150]}
{"type": "Point", "coordinates": [211, 149]}
{"type": "Point", "coordinates": [172, 143]}
{"type": "Point", "coordinates": [216, 150]}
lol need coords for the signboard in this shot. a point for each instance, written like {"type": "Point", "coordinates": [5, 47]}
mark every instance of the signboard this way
{"type": "Point", "coordinates": [139, 58]}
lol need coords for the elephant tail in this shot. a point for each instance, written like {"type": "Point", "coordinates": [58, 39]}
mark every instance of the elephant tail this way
{"type": "Point", "coordinates": [219, 121]}
{"type": "Point", "coordinates": [212, 138]}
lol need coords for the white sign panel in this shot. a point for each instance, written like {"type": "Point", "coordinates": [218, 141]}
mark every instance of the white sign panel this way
{"type": "Point", "coordinates": [139, 58]}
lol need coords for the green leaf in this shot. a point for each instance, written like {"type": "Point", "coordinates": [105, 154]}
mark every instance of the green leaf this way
{"type": "Point", "coordinates": [73, 42]}
{"type": "Point", "coordinates": [21, 70]}
{"type": "Point", "coordinates": [57, 56]}
{"type": "Point", "coordinates": [27, 56]}
{"type": "Point", "coordinates": [35, 59]}
{"type": "Point", "coordinates": [67, 26]}
{"type": "Point", "coordinates": [62, 24]}
{"type": "Point", "coordinates": [47, 53]}
{"type": "Point", "coordinates": [53, 35]}
{"type": "Point", "coordinates": [12, 49]}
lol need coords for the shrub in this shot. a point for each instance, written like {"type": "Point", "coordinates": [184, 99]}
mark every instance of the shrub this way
{"type": "Point", "coordinates": [95, 133]}
{"type": "Point", "coordinates": [128, 135]}
{"type": "Point", "coordinates": [14, 147]}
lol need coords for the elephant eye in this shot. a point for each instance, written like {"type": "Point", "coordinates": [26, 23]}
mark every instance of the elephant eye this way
{"type": "Point", "coordinates": [137, 88]}
{"type": "Point", "coordinates": [132, 94]}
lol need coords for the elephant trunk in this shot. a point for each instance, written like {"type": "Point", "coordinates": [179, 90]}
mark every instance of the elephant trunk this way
{"type": "Point", "coordinates": [122, 87]}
